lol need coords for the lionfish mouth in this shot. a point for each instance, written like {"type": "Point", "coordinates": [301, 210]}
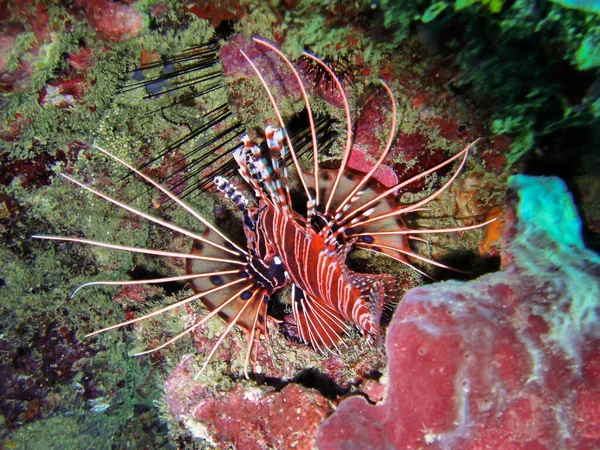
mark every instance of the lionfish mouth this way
{"type": "Point", "coordinates": [285, 248]}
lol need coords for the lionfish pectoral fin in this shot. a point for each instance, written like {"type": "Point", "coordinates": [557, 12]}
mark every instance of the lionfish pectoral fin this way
{"type": "Point", "coordinates": [394, 245]}
{"type": "Point", "coordinates": [244, 290]}
{"type": "Point", "coordinates": [326, 182]}
{"type": "Point", "coordinates": [347, 183]}
{"type": "Point", "coordinates": [318, 324]}
{"type": "Point", "coordinates": [388, 236]}
{"type": "Point", "coordinates": [241, 301]}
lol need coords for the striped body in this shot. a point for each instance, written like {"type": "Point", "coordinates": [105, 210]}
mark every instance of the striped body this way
{"type": "Point", "coordinates": [319, 269]}
{"type": "Point", "coordinates": [344, 211]}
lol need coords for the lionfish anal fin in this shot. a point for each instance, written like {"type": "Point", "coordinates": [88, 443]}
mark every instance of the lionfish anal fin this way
{"type": "Point", "coordinates": [317, 323]}
{"type": "Point", "coordinates": [379, 290]}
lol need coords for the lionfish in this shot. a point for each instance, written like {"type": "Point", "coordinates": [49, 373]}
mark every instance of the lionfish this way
{"type": "Point", "coordinates": [344, 211]}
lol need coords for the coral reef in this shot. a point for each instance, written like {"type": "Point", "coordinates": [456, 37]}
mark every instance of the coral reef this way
{"type": "Point", "coordinates": [505, 361]}
{"type": "Point", "coordinates": [58, 80]}
{"type": "Point", "coordinates": [66, 69]}
{"type": "Point", "coordinates": [114, 21]}
{"type": "Point", "coordinates": [291, 380]}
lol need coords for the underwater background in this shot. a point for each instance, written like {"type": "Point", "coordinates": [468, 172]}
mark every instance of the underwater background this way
{"type": "Point", "coordinates": [161, 83]}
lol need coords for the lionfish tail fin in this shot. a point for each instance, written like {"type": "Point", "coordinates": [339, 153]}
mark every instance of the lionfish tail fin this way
{"type": "Point", "coordinates": [380, 291]}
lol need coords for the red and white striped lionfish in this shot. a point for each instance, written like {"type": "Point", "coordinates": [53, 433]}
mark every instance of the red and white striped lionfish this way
{"type": "Point", "coordinates": [344, 211]}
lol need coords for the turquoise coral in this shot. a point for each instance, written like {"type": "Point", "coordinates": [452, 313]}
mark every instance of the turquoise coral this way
{"type": "Point", "coordinates": [584, 5]}
{"type": "Point", "coordinates": [547, 207]}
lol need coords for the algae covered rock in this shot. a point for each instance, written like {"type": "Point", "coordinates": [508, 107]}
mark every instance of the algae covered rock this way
{"type": "Point", "coordinates": [509, 360]}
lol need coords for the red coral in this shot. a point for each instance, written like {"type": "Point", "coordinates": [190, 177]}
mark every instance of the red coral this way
{"type": "Point", "coordinates": [416, 154]}
{"type": "Point", "coordinates": [246, 416]}
{"type": "Point", "coordinates": [15, 128]}
{"type": "Point", "coordinates": [113, 21]}
{"type": "Point", "coordinates": [82, 60]}
{"type": "Point", "coordinates": [373, 124]}
{"type": "Point", "coordinates": [64, 93]}
{"type": "Point", "coordinates": [448, 127]}
{"type": "Point", "coordinates": [495, 158]}
{"type": "Point", "coordinates": [506, 361]}
{"type": "Point", "coordinates": [361, 161]}
{"type": "Point", "coordinates": [412, 149]}
{"type": "Point", "coordinates": [33, 172]}
{"type": "Point", "coordinates": [275, 72]}
{"type": "Point", "coordinates": [217, 12]}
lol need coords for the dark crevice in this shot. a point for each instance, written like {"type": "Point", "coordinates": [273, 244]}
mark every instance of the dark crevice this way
{"type": "Point", "coordinates": [141, 273]}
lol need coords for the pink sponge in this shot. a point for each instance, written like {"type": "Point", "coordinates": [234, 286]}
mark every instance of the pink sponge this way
{"type": "Point", "coordinates": [508, 361]}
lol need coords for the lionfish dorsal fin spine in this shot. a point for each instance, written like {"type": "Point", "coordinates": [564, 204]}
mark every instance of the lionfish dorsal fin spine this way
{"type": "Point", "coordinates": [311, 120]}
{"type": "Point", "coordinates": [349, 137]}
{"type": "Point", "coordinates": [275, 142]}
{"type": "Point", "coordinates": [353, 213]}
{"type": "Point", "coordinates": [260, 173]}
{"type": "Point", "coordinates": [280, 120]}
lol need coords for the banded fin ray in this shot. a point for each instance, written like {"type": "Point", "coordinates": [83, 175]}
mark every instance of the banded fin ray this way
{"type": "Point", "coordinates": [214, 300]}
{"type": "Point", "coordinates": [317, 323]}
{"type": "Point", "coordinates": [380, 288]}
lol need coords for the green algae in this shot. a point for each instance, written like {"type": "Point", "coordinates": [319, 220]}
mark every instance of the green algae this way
{"type": "Point", "coordinates": [520, 84]}
{"type": "Point", "coordinates": [37, 292]}
{"type": "Point", "coordinates": [494, 6]}
{"type": "Point", "coordinates": [588, 53]}
{"type": "Point", "coordinates": [38, 277]}
{"type": "Point", "coordinates": [23, 43]}
{"type": "Point", "coordinates": [92, 423]}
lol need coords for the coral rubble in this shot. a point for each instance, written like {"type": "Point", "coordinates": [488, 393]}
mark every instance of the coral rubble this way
{"type": "Point", "coordinates": [508, 360]}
